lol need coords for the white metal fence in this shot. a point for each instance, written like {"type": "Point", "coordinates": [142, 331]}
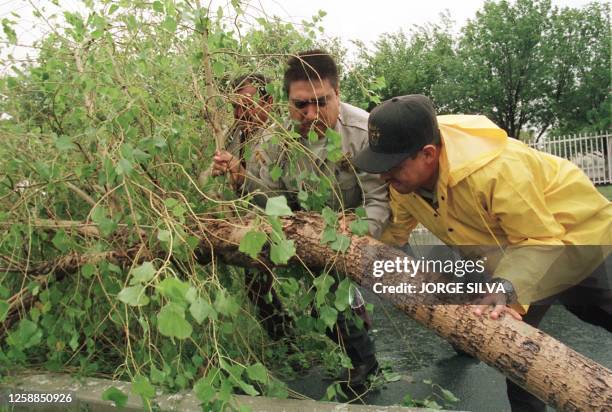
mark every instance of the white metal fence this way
{"type": "Point", "coordinates": [592, 153]}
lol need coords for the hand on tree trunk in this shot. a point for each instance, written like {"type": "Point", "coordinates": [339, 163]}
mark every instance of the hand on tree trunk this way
{"type": "Point", "coordinates": [497, 303]}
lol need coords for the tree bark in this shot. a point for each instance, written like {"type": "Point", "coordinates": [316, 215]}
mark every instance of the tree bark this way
{"type": "Point", "coordinates": [553, 372]}
{"type": "Point", "coordinates": [556, 374]}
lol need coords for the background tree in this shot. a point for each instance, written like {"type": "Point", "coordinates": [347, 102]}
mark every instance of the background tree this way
{"type": "Point", "coordinates": [578, 90]}
{"type": "Point", "coordinates": [530, 67]}
{"type": "Point", "coordinates": [403, 63]}
{"type": "Point", "coordinates": [500, 64]}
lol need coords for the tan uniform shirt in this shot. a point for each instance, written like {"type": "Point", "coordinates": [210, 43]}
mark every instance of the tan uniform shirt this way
{"type": "Point", "coordinates": [300, 170]}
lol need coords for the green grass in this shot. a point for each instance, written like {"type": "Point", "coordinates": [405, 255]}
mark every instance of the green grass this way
{"type": "Point", "coordinates": [606, 191]}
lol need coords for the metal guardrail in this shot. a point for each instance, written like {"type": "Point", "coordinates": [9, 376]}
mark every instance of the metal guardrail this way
{"type": "Point", "coordinates": [591, 153]}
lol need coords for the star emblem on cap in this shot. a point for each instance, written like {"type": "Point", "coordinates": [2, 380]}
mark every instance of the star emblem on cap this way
{"type": "Point", "coordinates": [373, 134]}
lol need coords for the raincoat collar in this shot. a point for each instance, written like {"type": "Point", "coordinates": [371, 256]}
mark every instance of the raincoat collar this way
{"type": "Point", "coordinates": [468, 143]}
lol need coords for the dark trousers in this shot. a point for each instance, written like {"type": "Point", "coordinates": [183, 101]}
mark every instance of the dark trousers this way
{"type": "Point", "coordinates": [590, 301]}
{"type": "Point", "coordinates": [355, 339]}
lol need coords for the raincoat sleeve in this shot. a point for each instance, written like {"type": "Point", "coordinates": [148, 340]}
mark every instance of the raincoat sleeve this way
{"type": "Point", "coordinates": [400, 224]}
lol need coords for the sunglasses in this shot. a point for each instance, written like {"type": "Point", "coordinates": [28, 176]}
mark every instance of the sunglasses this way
{"type": "Point", "coordinates": [302, 104]}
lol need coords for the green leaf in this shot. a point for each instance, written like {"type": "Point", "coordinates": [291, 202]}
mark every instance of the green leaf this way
{"type": "Point", "coordinates": [43, 170]}
{"type": "Point", "coordinates": [329, 216]}
{"type": "Point", "coordinates": [171, 322]}
{"type": "Point", "coordinates": [449, 396]}
{"type": "Point", "coordinates": [204, 390]}
{"type": "Point", "coordinates": [277, 228]}
{"type": "Point", "coordinates": [27, 335]}
{"type": "Point", "coordinates": [322, 284]}
{"type": "Point", "coordinates": [142, 387]}
{"type": "Point", "coordinates": [88, 270]}
{"type": "Point", "coordinates": [141, 156]}
{"type": "Point", "coordinates": [116, 396]}
{"type": "Point", "coordinates": [313, 137]}
{"type": "Point", "coordinates": [163, 236]}
{"type": "Point", "coordinates": [329, 235]}
{"type": "Point", "coordinates": [191, 295]}
{"type": "Point", "coordinates": [200, 309]}
{"type": "Point", "coordinates": [334, 145]}
{"type": "Point", "coordinates": [113, 8]}
{"type": "Point", "coordinates": [341, 244]}
{"type": "Point", "coordinates": [9, 31]}
{"type": "Point", "coordinates": [61, 241]}
{"type": "Point", "coordinates": [169, 24]}
{"type": "Point", "coordinates": [277, 206]}
{"type": "Point", "coordinates": [174, 290]}
{"type": "Point", "coordinates": [158, 6]}
{"type": "Point", "coordinates": [303, 197]}
{"type": "Point", "coordinates": [328, 316]}
{"type": "Point", "coordinates": [257, 372]}
{"type": "Point", "coordinates": [100, 217]}
{"type": "Point", "coordinates": [64, 143]}
{"type": "Point", "coordinates": [361, 212]}
{"type": "Point", "coordinates": [133, 296]}
{"type": "Point", "coordinates": [143, 273]}
{"type": "Point", "coordinates": [252, 243]}
{"type": "Point", "coordinates": [330, 392]}
{"type": "Point", "coordinates": [157, 376]}
{"type": "Point", "coordinates": [218, 68]}
{"type": "Point", "coordinates": [282, 251]}
{"type": "Point", "coordinates": [391, 376]}
{"type": "Point", "coordinates": [342, 295]}
{"type": "Point", "coordinates": [226, 304]}
{"type": "Point", "coordinates": [276, 173]}
{"type": "Point", "coordinates": [124, 167]}
{"type": "Point", "coordinates": [248, 389]}
{"type": "Point", "coordinates": [360, 227]}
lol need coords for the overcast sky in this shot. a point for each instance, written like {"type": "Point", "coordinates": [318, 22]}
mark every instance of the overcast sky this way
{"type": "Point", "coordinates": [367, 19]}
{"type": "Point", "coordinates": [349, 20]}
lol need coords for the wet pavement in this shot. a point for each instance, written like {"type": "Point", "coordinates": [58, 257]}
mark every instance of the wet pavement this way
{"type": "Point", "coordinates": [418, 354]}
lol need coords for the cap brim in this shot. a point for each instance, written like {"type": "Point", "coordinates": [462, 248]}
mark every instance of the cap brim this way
{"type": "Point", "coordinates": [372, 162]}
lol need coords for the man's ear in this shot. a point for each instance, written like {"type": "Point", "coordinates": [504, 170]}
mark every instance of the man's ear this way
{"type": "Point", "coordinates": [430, 151]}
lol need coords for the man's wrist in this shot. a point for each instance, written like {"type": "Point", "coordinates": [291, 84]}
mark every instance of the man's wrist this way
{"type": "Point", "coordinates": [509, 291]}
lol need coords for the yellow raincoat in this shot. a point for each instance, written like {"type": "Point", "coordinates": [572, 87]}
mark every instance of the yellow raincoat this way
{"type": "Point", "coordinates": [496, 193]}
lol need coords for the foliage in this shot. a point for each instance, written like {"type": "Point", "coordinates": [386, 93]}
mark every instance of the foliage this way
{"type": "Point", "coordinates": [406, 63]}
{"type": "Point", "coordinates": [440, 398]}
{"type": "Point", "coordinates": [110, 126]}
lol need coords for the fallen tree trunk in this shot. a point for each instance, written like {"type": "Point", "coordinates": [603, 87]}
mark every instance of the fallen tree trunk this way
{"type": "Point", "coordinates": [556, 374]}
{"type": "Point", "coordinates": [537, 362]}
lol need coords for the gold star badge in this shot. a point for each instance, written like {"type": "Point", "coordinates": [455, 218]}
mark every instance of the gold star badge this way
{"type": "Point", "coordinates": [373, 134]}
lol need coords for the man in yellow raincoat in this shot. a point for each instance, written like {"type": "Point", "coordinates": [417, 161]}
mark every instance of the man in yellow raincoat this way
{"type": "Point", "coordinates": [538, 217]}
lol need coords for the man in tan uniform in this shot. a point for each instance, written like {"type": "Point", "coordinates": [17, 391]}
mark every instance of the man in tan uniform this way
{"type": "Point", "coordinates": [312, 169]}
{"type": "Point", "coordinates": [251, 104]}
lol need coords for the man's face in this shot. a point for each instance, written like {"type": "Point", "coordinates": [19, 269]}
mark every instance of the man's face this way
{"type": "Point", "coordinates": [314, 105]}
{"type": "Point", "coordinates": [250, 110]}
{"type": "Point", "coordinates": [412, 174]}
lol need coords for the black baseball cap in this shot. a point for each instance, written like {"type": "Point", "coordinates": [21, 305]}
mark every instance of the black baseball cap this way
{"type": "Point", "coordinates": [397, 128]}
